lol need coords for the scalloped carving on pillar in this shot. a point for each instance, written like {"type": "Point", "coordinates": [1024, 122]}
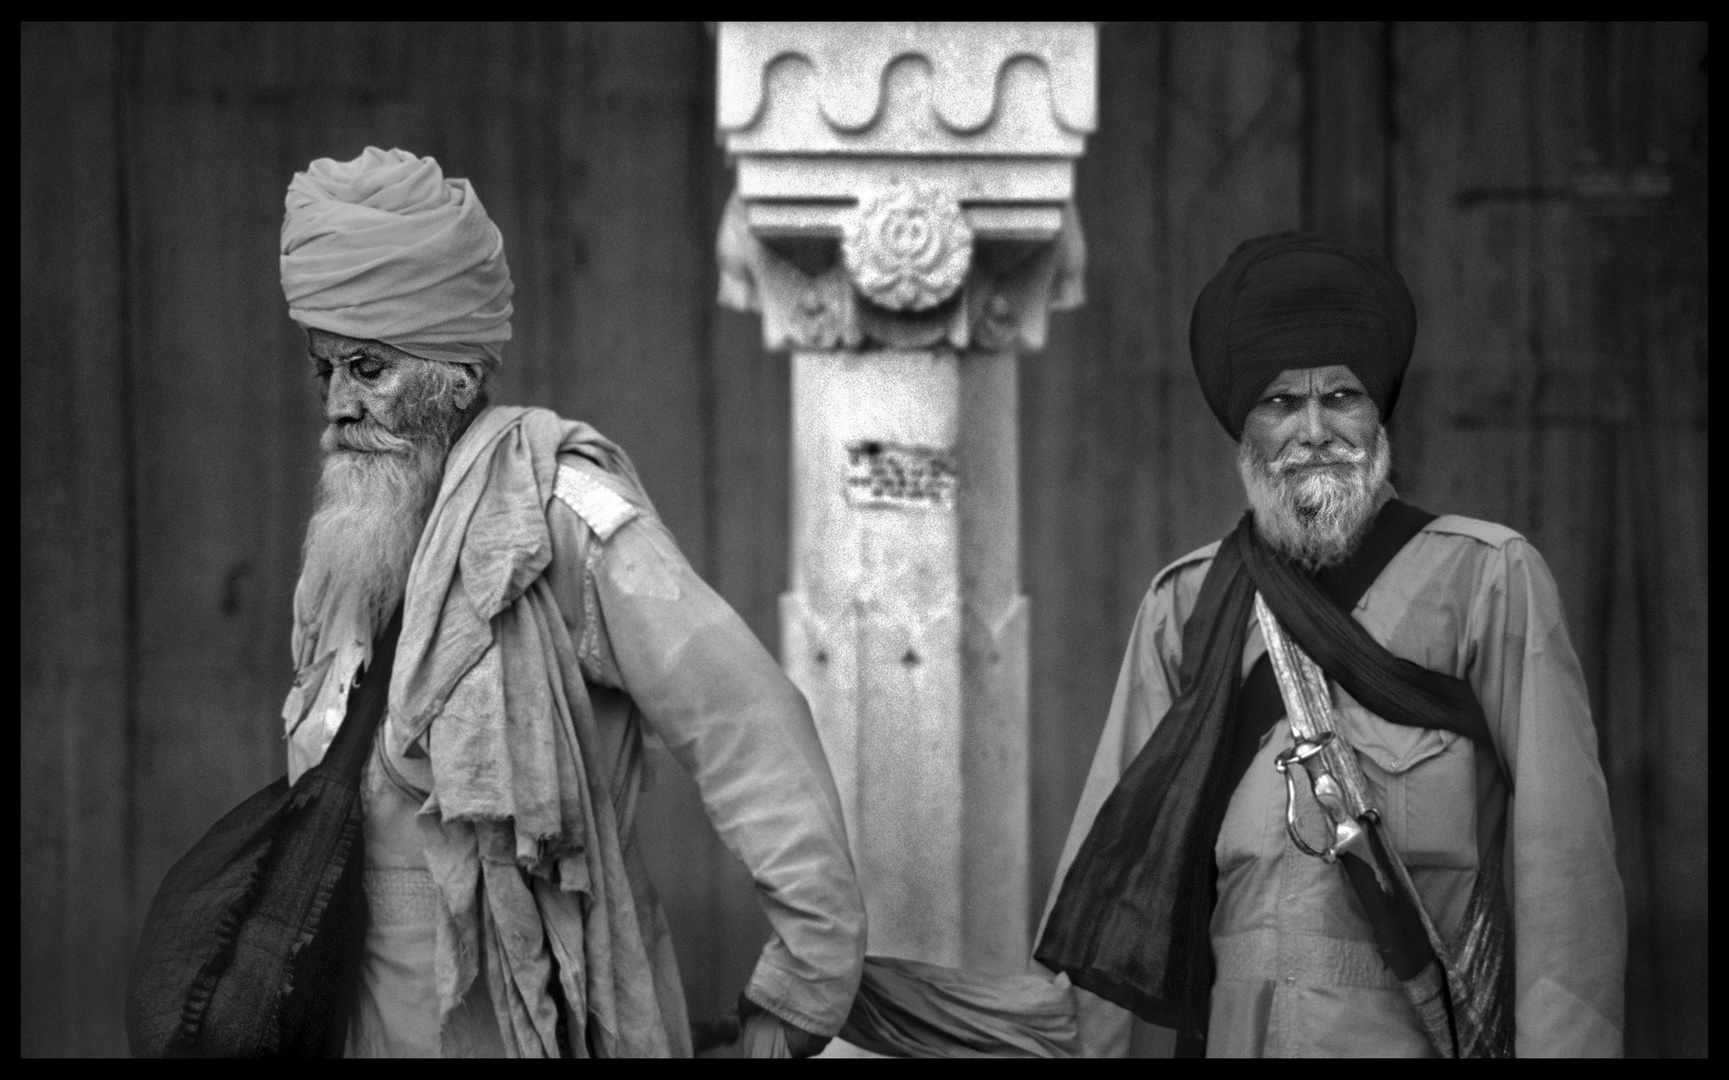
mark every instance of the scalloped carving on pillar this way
{"type": "Point", "coordinates": [904, 185]}
{"type": "Point", "coordinates": [922, 88]}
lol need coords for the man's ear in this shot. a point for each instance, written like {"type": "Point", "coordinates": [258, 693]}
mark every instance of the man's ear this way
{"type": "Point", "coordinates": [469, 389]}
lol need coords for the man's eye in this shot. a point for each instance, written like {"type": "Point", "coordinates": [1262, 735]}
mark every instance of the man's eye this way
{"type": "Point", "coordinates": [369, 368]}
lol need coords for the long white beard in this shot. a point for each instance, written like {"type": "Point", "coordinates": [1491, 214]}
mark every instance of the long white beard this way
{"type": "Point", "coordinates": [1316, 517]}
{"type": "Point", "coordinates": [368, 514]}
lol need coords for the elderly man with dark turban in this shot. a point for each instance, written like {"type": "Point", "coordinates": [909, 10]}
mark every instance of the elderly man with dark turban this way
{"type": "Point", "coordinates": [502, 572]}
{"type": "Point", "coordinates": [1344, 676]}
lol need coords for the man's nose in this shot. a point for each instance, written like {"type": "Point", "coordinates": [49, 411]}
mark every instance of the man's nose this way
{"type": "Point", "coordinates": [1314, 430]}
{"type": "Point", "coordinates": [342, 400]}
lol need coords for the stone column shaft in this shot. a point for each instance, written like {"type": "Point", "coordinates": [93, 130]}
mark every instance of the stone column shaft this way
{"type": "Point", "coordinates": [903, 221]}
{"type": "Point", "coordinates": [905, 627]}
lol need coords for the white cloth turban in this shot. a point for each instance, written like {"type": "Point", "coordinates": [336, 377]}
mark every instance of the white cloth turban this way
{"type": "Point", "coordinates": [385, 248]}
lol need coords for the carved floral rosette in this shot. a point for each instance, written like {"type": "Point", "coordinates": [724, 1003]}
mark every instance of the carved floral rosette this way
{"type": "Point", "coordinates": [907, 247]}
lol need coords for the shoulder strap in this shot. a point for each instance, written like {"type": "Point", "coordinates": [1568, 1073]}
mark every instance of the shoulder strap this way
{"type": "Point", "coordinates": [1394, 526]}
{"type": "Point", "coordinates": [367, 705]}
{"type": "Point", "coordinates": [1389, 686]}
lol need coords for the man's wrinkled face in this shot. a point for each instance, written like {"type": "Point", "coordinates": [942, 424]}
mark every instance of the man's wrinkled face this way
{"type": "Point", "coordinates": [392, 417]}
{"type": "Point", "coordinates": [379, 399]}
{"type": "Point", "coordinates": [1312, 417]}
{"type": "Point", "coordinates": [1314, 461]}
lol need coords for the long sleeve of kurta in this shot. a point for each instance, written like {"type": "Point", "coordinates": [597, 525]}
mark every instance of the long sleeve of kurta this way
{"type": "Point", "coordinates": [1569, 920]}
{"type": "Point", "coordinates": [726, 711]}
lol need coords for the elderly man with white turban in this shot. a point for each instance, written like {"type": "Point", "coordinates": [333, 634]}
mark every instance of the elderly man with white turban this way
{"type": "Point", "coordinates": [504, 571]}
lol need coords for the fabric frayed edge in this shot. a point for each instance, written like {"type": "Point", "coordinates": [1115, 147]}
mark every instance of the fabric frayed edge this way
{"type": "Point", "coordinates": [346, 842]}
{"type": "Point", "coordinates": [203, 989]}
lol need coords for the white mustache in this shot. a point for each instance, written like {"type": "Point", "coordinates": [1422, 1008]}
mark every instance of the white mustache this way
{"type": "Point", "coordinates": [1298, 457]}
{"type": "Point", "coordinates": [364, 437]}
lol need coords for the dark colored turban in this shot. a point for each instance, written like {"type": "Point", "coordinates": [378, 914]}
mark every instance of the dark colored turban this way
{"type": "Point", "coordinates": [1293, 300]}
{"type": "Point", "coordinates": [385, 248]}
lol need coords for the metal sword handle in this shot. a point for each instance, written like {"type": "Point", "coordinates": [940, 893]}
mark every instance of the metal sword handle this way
{"type": "Point", "coordinates": [1334, 773]}
{"type": "Point", "coordinates": [1299, 754]}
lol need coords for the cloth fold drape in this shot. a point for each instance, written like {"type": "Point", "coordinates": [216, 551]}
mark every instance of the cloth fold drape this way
{"type": "Point", "coordinates": [526, 818]}
{"type": "Point", "coordinates": [1130, 923]}
{"type": "Point", "coordinates": [907, 1008]}
{"type": "Point", "coordinates": [1389, 686]}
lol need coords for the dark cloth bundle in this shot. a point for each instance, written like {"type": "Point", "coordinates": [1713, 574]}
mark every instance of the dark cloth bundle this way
{"type": "Point", "coordinates": [1131, 922]}
{"type": "Point", "coordinates": [252, 946]}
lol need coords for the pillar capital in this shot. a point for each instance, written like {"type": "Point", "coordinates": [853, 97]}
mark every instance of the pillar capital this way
{"type": "Point", "coordinates": [904, 185]}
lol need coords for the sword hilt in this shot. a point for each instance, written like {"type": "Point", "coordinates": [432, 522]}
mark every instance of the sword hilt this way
{"type": "Point", "coordinates": [1347, 828]}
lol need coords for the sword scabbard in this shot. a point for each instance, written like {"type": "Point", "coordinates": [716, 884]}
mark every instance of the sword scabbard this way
{"type": "Point", "coordinates": [1340, 789]}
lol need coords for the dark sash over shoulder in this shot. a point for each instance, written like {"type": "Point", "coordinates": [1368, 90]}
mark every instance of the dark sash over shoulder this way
{"type": "Point", "coordinates": [1131, 922]}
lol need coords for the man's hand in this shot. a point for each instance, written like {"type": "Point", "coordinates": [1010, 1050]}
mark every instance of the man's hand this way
{"type": "Point", "coordinates": [766, 1035]}
{"type": "Point", "coordinates": [757, 1033]}
{"type": "Point", "coordinates": [760, 1035]}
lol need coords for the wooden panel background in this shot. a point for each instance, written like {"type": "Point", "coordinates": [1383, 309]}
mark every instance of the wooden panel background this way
{"type": "Point", "coordinates": [168, 422]}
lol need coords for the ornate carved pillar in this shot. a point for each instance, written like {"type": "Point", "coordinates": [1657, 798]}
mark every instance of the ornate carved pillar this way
{"type": "Point", "coordinates": [903, 220]}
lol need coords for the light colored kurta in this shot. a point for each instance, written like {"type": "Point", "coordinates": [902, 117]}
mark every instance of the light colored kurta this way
{"type": "Point", "coordinates": [655, 644]}
{"type": "Point", "coordinates": [1297, 971]}
{"type": "Point", "coordinates": [664, 644]}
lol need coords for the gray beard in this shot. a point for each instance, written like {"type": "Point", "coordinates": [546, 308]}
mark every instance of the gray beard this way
{"type": "Point", "coordinates": [1316, 517]}
{"type": "Point", "coordinates": [367, 518]}
{"type": "Point", "coordinates": [374, 495]}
